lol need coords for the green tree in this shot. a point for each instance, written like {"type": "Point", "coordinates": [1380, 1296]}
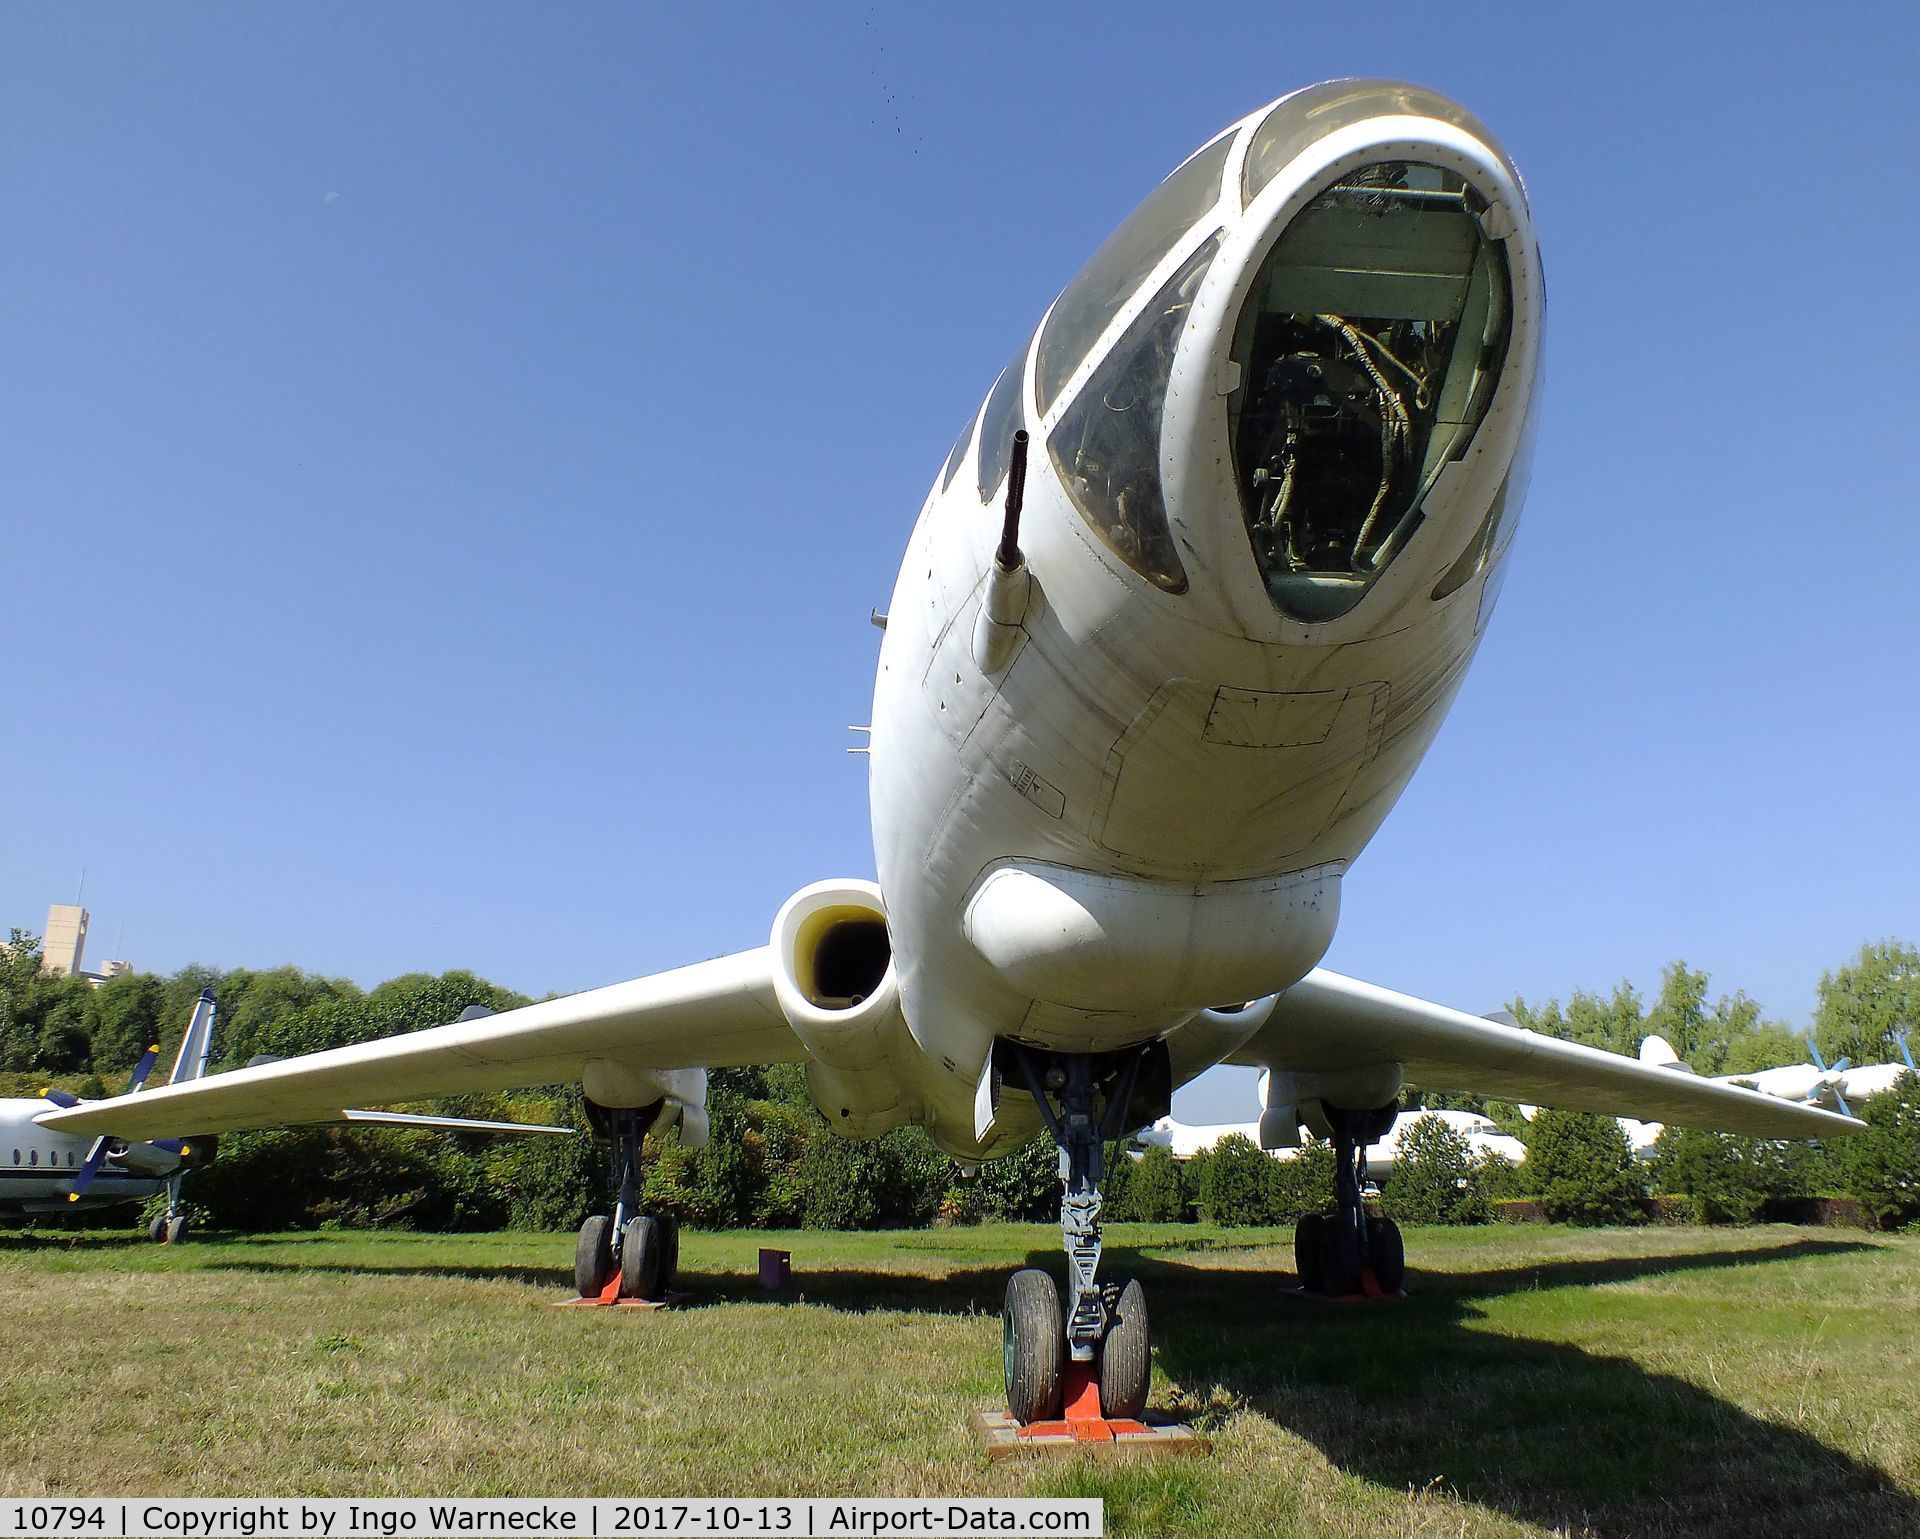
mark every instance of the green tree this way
{"type": "Point", "coordinates": [1305, 1182]}
{"type": "Point", "coordinates": [1435, 1178]}
{"type": "Point", "coordinates": [894, 1181]}
{"type": "Point", "coordinates": [123, 1018]}
{"type": "Point", "coordinates": [252, 1002]}
{"type": "Point", "coordinates": [63, 1046]}
{"type": "Point", "coordinates": [1882, 1165]}
{"type": "Point", "coordinates": [1613, 1024]}
{"type": "Point", "coordinates": [1582, 1169]}
{"type": "Point", "coordinates": [1022, 1187]}
{"type": "Point", "coordinates": [1766, 1045]}
{"type": "Point", "coordinates": [1153, 1193]}
{"type": "Point", "coordinates": [545, 1181]}
{"type": "Point", "coordinates": [1865, 1002]}
{"type": "Point", "coordinates": [1727, 1179]}
{"type": "Point", "coordinates": [1241, 1183]}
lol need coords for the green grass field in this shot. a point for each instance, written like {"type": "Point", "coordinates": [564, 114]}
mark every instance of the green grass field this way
{"type": "Point", "coordinates": [1624, 1382]}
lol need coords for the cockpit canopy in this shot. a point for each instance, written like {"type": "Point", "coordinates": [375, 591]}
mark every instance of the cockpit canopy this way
{"type": "Point", "coordinates": [1368, 349]}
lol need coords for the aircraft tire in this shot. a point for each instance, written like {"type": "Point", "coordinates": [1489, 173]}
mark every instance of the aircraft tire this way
{"type": "Point", "coordinates": [1339, 1259]}
{"type": "Point", "coordinates": [669, 1251]}
{"type": "Point", "coordinates": [176, 1230]}
{"type": "Point", "coordinates": [642, 1249]}
{"type": "Point", "coordinates": [593, 1256]}
{"type": "Point", "coordinates": [1389, 1253]}
{"type": "Point", "coordinates": [1126, 1356]}
{"type": "Point", "coordinates": [1034, 1338]}
{"type": "Point", "coordinates": [157, 1230]}
{"type": "Point", "coordinates": [1307, 1240]}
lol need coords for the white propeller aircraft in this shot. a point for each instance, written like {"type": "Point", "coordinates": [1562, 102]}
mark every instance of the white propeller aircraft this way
{"type": "Point", "coordinates": [1138, 710]}
{"type": "Point", "coordinates": [44, 1170]}
{"type": "Point", "coordinates": [1817, 1083]}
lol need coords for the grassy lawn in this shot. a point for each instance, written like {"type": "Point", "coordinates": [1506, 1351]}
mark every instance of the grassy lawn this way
{"type": "Point", "coordinates": [1626, 1382]}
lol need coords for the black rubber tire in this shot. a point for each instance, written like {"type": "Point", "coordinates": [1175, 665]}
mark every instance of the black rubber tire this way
{"type": "Point", "coordinates": [1034, 1338]}
{"type": "Point", "coordinates": [176, 1230]}
{"type": "Point", "coordinates": [1389, 1253]}
{"type": "Point", "coordinates": [157, 1230]}
{"type": "Point", "coordinates": [593, 1256]}
{"type": "Point", "coordinates": [1306, 1251]}
{"type": "Point", "coordinates": [1126, 1355]}
{"type": "Point", "coordinates": [669, 1251]}
{"type": "Point", "coordinates": [1339, 1259]}
{"type": "Point", "coordinates": [641, 1252]}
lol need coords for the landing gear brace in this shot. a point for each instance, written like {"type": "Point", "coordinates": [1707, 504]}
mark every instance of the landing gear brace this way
{"type": "Point", "coordinates": [639, 1250]}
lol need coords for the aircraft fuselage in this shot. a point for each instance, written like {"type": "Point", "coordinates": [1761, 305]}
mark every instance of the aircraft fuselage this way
{"type": "Point", "coordinates": [1130, 791]}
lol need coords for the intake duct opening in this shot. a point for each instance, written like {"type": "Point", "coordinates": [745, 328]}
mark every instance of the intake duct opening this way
{"type": "Point", "coordinates": [845, 960]}
{"type": "Point", "coordinates": [832, 954]}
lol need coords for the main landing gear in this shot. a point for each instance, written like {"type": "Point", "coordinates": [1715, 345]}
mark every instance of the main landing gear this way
{"type": "Point", "coordinates": [170, 1227]}
{"type": "Point", "coordinates": [1349, 1251]}
{"type": "Point", "coordinates": [1056, 1355]}
{"type": "Point", "coordinates": [640, 1250]}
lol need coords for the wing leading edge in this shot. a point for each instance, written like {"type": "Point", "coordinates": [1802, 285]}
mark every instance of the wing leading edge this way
{"type": "Point", "coordinates": [1328, 1021]}
{"type": "Point", "coordinates": [711, 1015]}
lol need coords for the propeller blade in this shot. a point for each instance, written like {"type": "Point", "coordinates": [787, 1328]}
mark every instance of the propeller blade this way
{"type": "Point", "coordinates": [88, 1169]}
{"type": "Point", "coordinates": [1906, 1050]}
{"type": "Point", "coordinates": [1814, 1049]}
{"type": "Point", "coordinates": [143, 1068]}
{"type": "Point", "coordinates": [64, 1099]}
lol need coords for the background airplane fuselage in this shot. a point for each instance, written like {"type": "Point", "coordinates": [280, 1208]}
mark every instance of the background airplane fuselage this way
{"type": "Point", "coordinates": [38, 1166]}
{"type": "Point", "coordinates": [1148, 809]}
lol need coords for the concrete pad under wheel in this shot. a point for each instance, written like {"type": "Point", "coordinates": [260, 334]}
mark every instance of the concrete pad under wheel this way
{"type": "Point", "coordinates": [1005, 1438]}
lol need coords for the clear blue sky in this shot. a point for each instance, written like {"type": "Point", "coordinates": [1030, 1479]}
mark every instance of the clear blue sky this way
{"type": "Point", "coordinates": [450, 452]}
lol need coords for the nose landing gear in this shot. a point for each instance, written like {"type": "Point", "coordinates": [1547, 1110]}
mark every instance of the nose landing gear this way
{"type": "Point", "coordinates": [1350, 1253]}
{"type": "Point", "coordinates": [637, 1251]}
{"type": "Point", "coordinates": [1091, 1358]}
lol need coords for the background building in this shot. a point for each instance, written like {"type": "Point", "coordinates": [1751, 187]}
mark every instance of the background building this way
{"type": "Point", "coordinates": [64, 941]}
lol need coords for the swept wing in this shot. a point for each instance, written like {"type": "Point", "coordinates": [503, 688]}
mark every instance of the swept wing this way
{"type": "Point", "coordinates": [710, 1015]}
{"type": "Point", "coordinates": [1329, 1021]}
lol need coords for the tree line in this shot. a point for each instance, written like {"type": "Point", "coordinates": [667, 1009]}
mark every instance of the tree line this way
{"type": "Point", "coordinates": [771, 1161]}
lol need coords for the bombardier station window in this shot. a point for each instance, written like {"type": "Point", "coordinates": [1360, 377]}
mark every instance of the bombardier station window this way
{"type": "Point", "coordinates": [1114, 273]}
{"type": "Point", "coordinates": [1369, 349]}
{"type": "Point", "coordinates": [1002, 417]}
{"type": "Point", "coordinates": [959, 452]}
{"type": "Point", "coordinates": [1106, 446]}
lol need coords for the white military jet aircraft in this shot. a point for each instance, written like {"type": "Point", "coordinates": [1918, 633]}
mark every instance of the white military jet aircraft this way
{"type": "Point", "coordinates": [1185, 1140]}
{"type": "Point", "coordinates": [1137, 712]}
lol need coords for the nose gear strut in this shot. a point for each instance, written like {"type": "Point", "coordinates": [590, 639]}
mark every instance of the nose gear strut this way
{"type": "Point", "coordinates": [1087, 1101]}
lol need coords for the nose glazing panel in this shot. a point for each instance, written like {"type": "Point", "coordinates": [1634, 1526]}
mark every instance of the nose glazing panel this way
{"type": "Point", "coordinates": [1368, 350]}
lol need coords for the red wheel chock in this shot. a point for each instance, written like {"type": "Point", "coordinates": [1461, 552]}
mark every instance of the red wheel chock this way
{"type": "Point", "coordinates": [1082, 1420]}
{"type": "Point", "coordinates": [609, 1298]}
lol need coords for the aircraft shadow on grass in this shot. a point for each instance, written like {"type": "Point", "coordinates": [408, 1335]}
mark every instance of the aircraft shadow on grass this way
{"type": "Point", "coordinates": [1419, 1394]}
